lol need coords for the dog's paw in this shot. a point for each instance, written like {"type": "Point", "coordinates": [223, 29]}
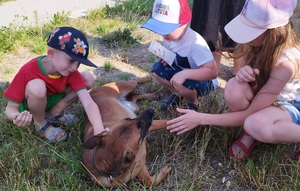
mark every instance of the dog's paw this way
{"type": "Point", "coordinates": [166, 169]}
{"type": "Point", "coordinates": [144, 80]}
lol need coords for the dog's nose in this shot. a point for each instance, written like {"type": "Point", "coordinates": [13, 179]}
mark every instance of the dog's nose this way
{"type": "Point", "coordinates": [149, 111]}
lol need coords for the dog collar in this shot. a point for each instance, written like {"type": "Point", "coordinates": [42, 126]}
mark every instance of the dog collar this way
{"type": "Point", "coordinates": [108, 176]}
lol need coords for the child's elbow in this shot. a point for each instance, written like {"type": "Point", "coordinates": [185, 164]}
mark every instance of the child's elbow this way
{"type": "Point", "coordinates": [8, 113]}
{"type": "Point", "coordinates": [214, 73]}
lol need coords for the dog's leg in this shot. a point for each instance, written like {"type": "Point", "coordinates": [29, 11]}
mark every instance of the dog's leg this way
{"type": "Point", "coordinates": [158, 124]}
{"type": "Point", "coordinates": [155, 179]}
{"type": "Point", "coordinates": [143, 80]}
{"type": "Point", "coordinates": [149, 96]}
{"type": "Point", "coordinates": [128, 86]}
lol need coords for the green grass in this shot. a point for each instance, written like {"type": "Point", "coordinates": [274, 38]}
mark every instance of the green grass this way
{"type": "Point", "coordinates": [3, 1]}
{"type": "Point", "coordinates": [199, 158]}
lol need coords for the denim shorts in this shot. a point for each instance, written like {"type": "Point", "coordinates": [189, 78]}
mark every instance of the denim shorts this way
{"type": "Point", "coordinates": [166, 72]}
{"type": "Point", "coordinates": [293, 107]}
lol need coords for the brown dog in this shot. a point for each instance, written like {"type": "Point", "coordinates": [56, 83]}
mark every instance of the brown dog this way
{"type": "Point", "coordinates": [114, 157]}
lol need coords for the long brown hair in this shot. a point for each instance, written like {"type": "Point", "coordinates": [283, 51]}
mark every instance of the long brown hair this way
{"type": "Point", "coordinates": [264, 57]}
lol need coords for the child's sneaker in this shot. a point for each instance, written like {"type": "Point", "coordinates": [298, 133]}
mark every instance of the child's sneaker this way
{"type": "Point", "coordinates": [173, 100]}
{"type": "Point", "coordinates": [192, 106]}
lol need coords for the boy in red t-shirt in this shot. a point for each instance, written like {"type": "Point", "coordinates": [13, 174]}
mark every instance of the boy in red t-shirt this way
{"type": "Point", "coordinates": [46, 85]}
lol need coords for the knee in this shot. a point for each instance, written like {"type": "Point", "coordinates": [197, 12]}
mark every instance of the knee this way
{"type": "Point", "coordinates": [257, 127]}
{"type": "Point", "coordinates": [230, 92]}
{"type": "Point", "coordinates": [231, 95]}
{"type": "Point", "coordinates": [36, 88]}
{"type": "Point", "coordinates": [158, 69]}
{"type": "Point", "coordinates": [156, 66]}
{"type": "Point", "coordinates": [237, 96]}
{"type": "Point", "coordinates": [88, 79]}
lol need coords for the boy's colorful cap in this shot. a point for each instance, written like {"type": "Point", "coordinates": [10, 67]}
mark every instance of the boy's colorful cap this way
{"type": "Point", "coordinates": [73, 42]}
{"type": "Point", "coordinates": [257, 16]}
{"type": "Point", "coordinates": [168, 15]}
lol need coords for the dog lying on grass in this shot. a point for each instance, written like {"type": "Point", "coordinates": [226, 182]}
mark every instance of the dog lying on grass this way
{"type": "Point", "coordinates": [113, 158]}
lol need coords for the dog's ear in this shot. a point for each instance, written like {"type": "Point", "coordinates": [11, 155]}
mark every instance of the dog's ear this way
{"type": "Point", "coordinates": [96, 140]}
{"type": "Point", "coordinates": [145, 121]}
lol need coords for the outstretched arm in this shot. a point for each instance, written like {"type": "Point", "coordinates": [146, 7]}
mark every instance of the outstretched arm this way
{"type": "Point", "coordinates": [92, 111]}
{"type": "Point", "coordinates": [191, 119]}
{"type": "Point", "coordinates": [279, 76]}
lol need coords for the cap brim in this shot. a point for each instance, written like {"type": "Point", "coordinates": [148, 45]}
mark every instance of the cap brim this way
{"type": "Point", "coordinates": [159, 27]}
{"type": "Point", "coordinates": [241, 33]}
{"type": "Point", "coordinates": [83, 61]}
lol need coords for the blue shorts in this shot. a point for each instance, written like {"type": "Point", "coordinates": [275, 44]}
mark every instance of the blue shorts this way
{"type": "Point", "coordinates": [166, 72]}
{"type": "Point", "coordinates": [294, 109]}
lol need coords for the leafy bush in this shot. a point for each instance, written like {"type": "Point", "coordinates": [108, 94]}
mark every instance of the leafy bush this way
{"type": "Point", "coordinates": [120, 37]}
{"type": "Point", "coordinates": [7, 40]}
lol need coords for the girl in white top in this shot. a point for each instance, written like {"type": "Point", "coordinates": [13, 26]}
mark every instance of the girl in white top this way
{"type": "Point", "coordinates": [264, 94]}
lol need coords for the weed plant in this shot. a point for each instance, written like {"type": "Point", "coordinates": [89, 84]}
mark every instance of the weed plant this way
{"type": "Point", "coordinates": [120, 38]}
{"type": "Point", "coordinates": [199, 158]}
{"type": "Point", "coordinates": [107, 66]}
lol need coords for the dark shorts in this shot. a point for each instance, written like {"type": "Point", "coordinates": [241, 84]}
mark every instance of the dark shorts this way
{"type": "Point", "coordinates": [51, 101]}
{"type": "Point", "coordinates": [166, 72]}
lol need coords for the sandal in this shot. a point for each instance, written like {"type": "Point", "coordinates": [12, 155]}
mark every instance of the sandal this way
{"type": "Point", "coordinates": [243, 148]}
{"type": "Point", "coordinates": [52, 136]}
{"type": "Point", "coordinates": [61, 119]}
{"type": "Point", "coordinates": [173, 101]}
{"type": "Point", "coordinates": [297, 156]}
{"type": "Point", "coordinates": [192, 106]}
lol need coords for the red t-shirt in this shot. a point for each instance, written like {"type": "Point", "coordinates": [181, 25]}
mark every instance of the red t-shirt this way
{"type": "Point", "coordinates": [32, 70]}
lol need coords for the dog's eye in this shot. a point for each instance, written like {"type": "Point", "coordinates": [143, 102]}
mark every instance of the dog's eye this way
{"type": "Point", "coordinates": [129, 156]}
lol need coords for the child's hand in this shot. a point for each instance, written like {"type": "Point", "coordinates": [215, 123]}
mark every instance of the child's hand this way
{"type": "Point", "coordinates": [162, 61]}
{"type": "Point", "coordinates": [246, 74]}
{"type": "Point", "coordinates": [178, 79]}
{"type": "Point", "coordinates": [185, 122]}
{"type": "Point", "coordinates": [102, 132]}
{"type": "Point", "coordinates": [23, 119]}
